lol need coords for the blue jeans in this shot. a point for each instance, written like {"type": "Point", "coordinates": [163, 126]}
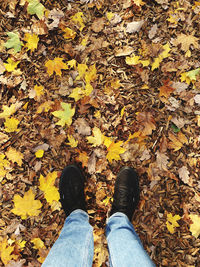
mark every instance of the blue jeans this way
{"type": "Point", "coordinates": [75, 245]}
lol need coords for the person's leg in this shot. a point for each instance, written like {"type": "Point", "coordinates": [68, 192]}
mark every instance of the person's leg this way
{"type": "Point", "coordinates": [75, 245]}
{"type": "Point", "coordinates": [125, 247]}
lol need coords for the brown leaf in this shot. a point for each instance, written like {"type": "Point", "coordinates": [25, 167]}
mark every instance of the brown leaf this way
{"type": "Point", "coordinates": [161, 160]}
{"type": "Point", "coordinates": [98, 24]}
{"type": "Point", "coordinates": [186, 41]}
{"type": "Point", "coordinates": [147, 122]}
{"type": "Point", "coordinates": [177, 142]}
{"type": "Point", "coordinates": [166, 89]}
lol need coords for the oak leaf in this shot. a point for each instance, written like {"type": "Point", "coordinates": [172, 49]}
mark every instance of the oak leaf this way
{"type": "Point", "coordinates": [65, 115]}
{"type": "Point", "coordinates": [114, 151]}
{"type": "Point", "coordinates": [55, 65]}
{"type": "Point", "coordinates": [47, 186]}
{"type": "Point", "coordinates": [27, 205]}
{"type": "Point", "coordinates": [172, 222]}
{"type": "Point", "coordinates": [97, 139]}
{"type": "Point", "coordinates": [32, 41]}
{"type": "Point", "coordinates": [11, 125]}
{"type": "Point", "coordinates": [161, 160]}
{"type": "Point", "coordinates": [146, 122]}
{"type": "Point", "coordinates": [184, 174]}
{"type": "Point", "coordinates": [15, 156]}
{"type": "Point", "coordinates": [195, 226]}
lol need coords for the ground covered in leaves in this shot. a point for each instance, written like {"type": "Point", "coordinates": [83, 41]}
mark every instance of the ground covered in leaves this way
{"type": "Point", "coordinates": [101, 84]}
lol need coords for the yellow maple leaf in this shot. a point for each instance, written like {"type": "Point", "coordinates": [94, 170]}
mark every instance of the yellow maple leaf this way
{"type": "Point", "coordinates": [88, 89]}
{"type": "Point", "coordinates": [82, 70]}
{"type": "Point", "coordinates": [39, 153]}
{"type": "Point", "coordinates": [69, 33]}
{"type": "Point", "coordinates": [109, 15]}
{"type": "Point", "coordinates": [133, 60]}
{"type": "Point", "coordinates": [65, 115]}
{"type": "Point", "coordinates": [98, 137]}
{"type": "Point", "coordinates": [45, 107]}
{"type": "Point", "coordinates": [4, 166]}
{"type": "Point", "coordinates": [71, 63]}
{"type": "Point", "coordinates": [15, 156]}
{"type": "Point", "coordinates": [77, 93]}
{"type": "Point", "coordinates": [164, 54]}
{"type": "Point", "coordinates": [5, 251]}
{"type": "Point", "coordinates": [11, 65]}
{"type": "Point", "coordinates": [172, 222]}
{"type": "Point", "coordinates": [39, 90]}
{"type": "Point", "coordinates": [11, 125]}
{"type": "Point", "coordinates": [27, 205]}
{"type": "Point", "coordinates": [72, 141]}
{"type": "Point", "coordinates": [47, 186]}
{"type": "Point", "coordinates": [83, 158]}
{"type": "Point", "coordinates": [32, 41]}
{"type": "Point", "coordinates": [38, 243]}
{"type": "Point", "coordinates": [55, 65]}
{"type": "Point", "coordinates": [91, 74]}
{"type": "Point", "coordinates": [8, 111]}
{"type": "Point", "coordinates": [114, 151]}
{"type": "Point", "coordinates": [79, 18]}
{"type": "Point", "coordinates": [195, 226]}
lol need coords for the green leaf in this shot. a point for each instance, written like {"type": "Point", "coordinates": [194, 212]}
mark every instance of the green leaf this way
{"type": "Point", "coordinates": [175, 128]}
{"type": "Point", "coordinates": [13, 42]}
{"type": "Point", "coordinates": [192, 74]}
{"type": "Point", "coordinates": [64, 115]}
{"type": "Point", "coordinates": [35, 7]}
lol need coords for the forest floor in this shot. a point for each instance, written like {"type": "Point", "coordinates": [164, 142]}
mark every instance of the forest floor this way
{"type": "Point", "coordinates": [101, 84]}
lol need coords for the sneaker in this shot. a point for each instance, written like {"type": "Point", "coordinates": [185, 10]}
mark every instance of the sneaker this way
{"type": "Point", "coordinates": [71, 188]}
{"type": "Point", "coordinates": [126, 194]}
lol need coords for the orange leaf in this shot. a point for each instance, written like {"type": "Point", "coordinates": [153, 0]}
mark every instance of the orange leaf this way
{"type": "Point", "coordinates": [147, 122]}
{"type": "Point", "coordinates": [55, 65]}
{"type": "Point", "coordinates": [166, 89]}
{"type": "Point", "coordinates": [177, 142]}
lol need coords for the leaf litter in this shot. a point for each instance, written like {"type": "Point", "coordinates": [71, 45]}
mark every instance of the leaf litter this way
{"type": "Point", "coordinates": [101, 84]}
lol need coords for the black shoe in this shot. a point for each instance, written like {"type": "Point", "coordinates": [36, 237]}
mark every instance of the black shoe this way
{"type": "Point", "coordinates": [126, 194]}
{"type": "Point", "coordinates": [71, 188]}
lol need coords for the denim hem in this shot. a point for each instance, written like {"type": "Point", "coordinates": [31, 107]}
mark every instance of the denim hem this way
{"type": "Point", "coordinates": [117, 214]}
{"type": "Point", "coordinates": [80, 211]}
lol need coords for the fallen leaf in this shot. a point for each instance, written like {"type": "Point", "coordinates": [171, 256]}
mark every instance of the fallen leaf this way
{"type": "Point", "coordinates": [11, 65]}
{"type": "Point", "coordinates": [97, 139]}
{"type": "Point", "coordinates": [186, 41]}
{"type": "Point", "coordinates": [166, 89]}
{"type": "Point", "coordinates": [82, 126]}
{"type": "Point", "coordinates": [114, 151]}
{"type": "Point", "coordinates": [47, 186]}
{"type": "Point", "coordinates": [27, 205]}
{"type": "Point", "coordinates": [78, 18]}
{"type": "Point", "coordinates": [69, 33]}
{"type": "Point", "coordinates": [195, 226]}
{"type": "Point", "coordinates": [172, 222]}
{"type": "Point", "coordinates": [98, 24]}
{"type": "Point", "coordinates": [11, 125]}
{"type": "Point", "coordinates": [36, 8]}
{"type": "Point", "coordinates": [32, 41]}
{"type": "Point", "coordinates": [38, 243]}
{"type": "Point", "coordinates": [153, 31]}
{"type": "Point", "coordinates": [13, 42]}
{"type": "Point", "coordinates": [8, 111]}
{"type": "Point", "coordinates": [177, 141]}
{"type": "Point", "coordinates": [15, 156]}
{"type": "Point", "coordinates": [134, 26]}
{"type": "Point", "coordinates": [39, 153]}
{"type": "Point", "coordinates": [72, 142]}
{"type": "Point", "coordinates": [65, 114]}
{"type": "Point", "coordinates": [83, 158]}
{"type": "Point", "coordinates": [184, 174]}
{"type": "Point", "coordinates": [5, 251]}
{"type": "Point", "coordinates": [147, 122]}
{"type": "Point", "coordinates": [162, 160]}
{"type": "Point", "coordinates": [55, 65]}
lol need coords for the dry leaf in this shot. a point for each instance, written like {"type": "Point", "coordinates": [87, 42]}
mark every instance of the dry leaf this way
{"type": "Point", "coordinates": [162, 160]}
{"type": "Point", "coordinates": [184, 174]}
{"type": "Point", "coordinates": [134, 26]}
{"type": "Point", "coordinates": [186, 41]}
{"type": "Point", "coordinates": [98, 24]}
{"type": "Point", "coordinates": [147, 122]}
